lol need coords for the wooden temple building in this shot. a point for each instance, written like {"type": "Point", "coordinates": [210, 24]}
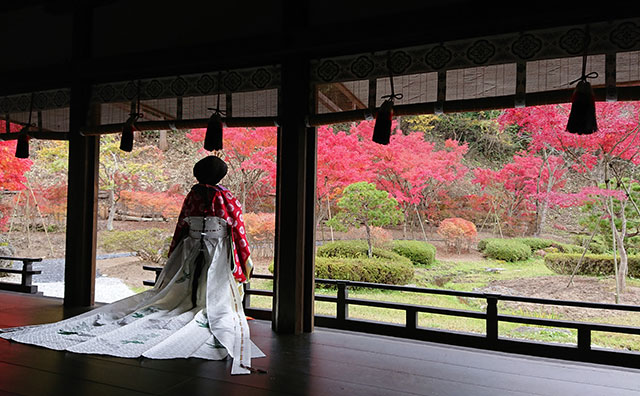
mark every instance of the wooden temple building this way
{"type": "Point", "coordinates": [79, 67]}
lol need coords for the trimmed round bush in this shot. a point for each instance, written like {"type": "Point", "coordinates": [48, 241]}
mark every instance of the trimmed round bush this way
{"type": "Point", "coordinates": [592, 264]}
{"type": "Point", "coordinates": [536, 243]}
{"type": "Point", "coordinates": [419, 252]}
{"type": "Point", "coordinates": [361, 269]}
{"type": "Point", "coordinates": [597, 245]}
{"type": "Point", "coordinates": [568, 247]}
{"type": "Point", "coordinates": [507, 250]}
{"type": "Point", "coordinates": [357, 249]}
{"type": "Point", "coordinates": [482, 244]}
{"type": "Point", "coordinates": [542, 244]}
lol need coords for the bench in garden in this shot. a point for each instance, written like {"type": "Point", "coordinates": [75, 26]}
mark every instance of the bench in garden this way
{"type": "Point", "coordinates": [27, 271]}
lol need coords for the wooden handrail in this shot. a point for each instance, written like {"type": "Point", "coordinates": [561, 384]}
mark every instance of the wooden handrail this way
{"type": "Point", "coordinates": [26, 273]}
{"type": "Point", "coordinates": [23, 259]}
{"type": "Point", "coordinates": [582, 351]}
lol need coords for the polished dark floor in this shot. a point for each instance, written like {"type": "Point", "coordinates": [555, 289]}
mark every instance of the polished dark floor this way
{"type": "Point", "coordinates": [326, 362]}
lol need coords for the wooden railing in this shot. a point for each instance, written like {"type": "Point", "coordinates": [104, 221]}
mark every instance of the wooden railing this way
{"type": "Point", "coordinates": [27, 272]}
{"type": "Point", "coordinates": [582, 351]}
{"type": "Point", "coordinates": [156, 269]}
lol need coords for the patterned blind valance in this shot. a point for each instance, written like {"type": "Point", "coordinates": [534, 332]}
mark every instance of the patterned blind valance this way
{"type": "Point", "coordinates": [517, 47]}
{"type": "Point", "coordinates": [224, 82]}
{"type": "Point", "coordinates": [510, 64]}
{"type": "Point", "coordinates": [43, 100]}
{"type": "Point", "coordinates": [243, 93]}
{"type": "Point", "coordinates": [49, 110]}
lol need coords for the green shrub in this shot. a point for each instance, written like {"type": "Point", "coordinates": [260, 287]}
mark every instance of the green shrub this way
{"type": "Point", "coordinates": [536, 243]}
{"type": "Point", "coordinates": [420, 253]}
{"type": "Point", "coordinates": [548, 245]}
{"type": "Point", "coordinates": [507, 250]}
{"type": "Point", "coordinates": [592, 264]}
{"type": "Point", "coordinates": [567, 247]}
{"type": "Point", "coordinates": [482, 244]}
{"type": "Point", "coordinates": [150, 244]}
{"type": "Point", "coordinates": [357, 249]}
{"type": "Point", "coordinates": [597, 245]}
{"type": "Point", "coordinates": [362, 269]}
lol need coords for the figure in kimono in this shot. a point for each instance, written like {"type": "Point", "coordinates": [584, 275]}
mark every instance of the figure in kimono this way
{"type": "Point", "coordinates": [195, 308]}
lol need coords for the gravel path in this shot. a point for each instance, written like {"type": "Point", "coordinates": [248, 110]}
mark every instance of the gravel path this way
{"type": "Point", "coordinates": [51, 281]}
{"type": "Point", "coordinates": [107, 289]}
{"type": "Point", "coordinates": [53, 269]}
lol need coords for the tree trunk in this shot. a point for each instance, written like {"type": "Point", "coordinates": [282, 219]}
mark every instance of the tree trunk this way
{"type": "Point", "coordinates": [163, 144]}
{"type": "Point", "coordinates": [623, 265]}
{"type": "Point", "coordinates": [424, 232]}
{"type": "Point", "coordinates": [404, 223]}
{"type": "Point", "coordinates": [369, 247]}
{"type": "Point", "coordinates": [329, 216]}
{"type": "Point", "coordinates": [112, 210]}
{"type": "Point", "coordinates": [541, 219]}
{"type": "Point", "coordinates": [543, 209]}
{"type": "Point", "coordinates": [617, 239]}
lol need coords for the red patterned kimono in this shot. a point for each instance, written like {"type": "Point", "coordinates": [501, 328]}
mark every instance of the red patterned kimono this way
{"type": "Point", "coordinates": [205, 200]}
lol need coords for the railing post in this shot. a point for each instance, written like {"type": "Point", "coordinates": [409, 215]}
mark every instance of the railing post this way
{"type": "Point", "coordinates": [342, 310]}
{"type": "Point", "coordinates": [246, 301]}
{"type": "Point", "coordinates": [492, 318]}
{"type": "Point", "coordinates": [26, 274]}
{"type": "Point", "coordinates": [584, 339]}
{"type": "Point", "coordinates": [411, 320]}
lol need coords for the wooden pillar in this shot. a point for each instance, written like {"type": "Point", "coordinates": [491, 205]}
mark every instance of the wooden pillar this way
{"type": "Point", "coordinates": [309, 284]}
{"type": "Point", "coordinates": [82, 193]}
{"type": "Point", "coordinates": [293, 285]}
{"type": "Point", "coordinates": [82, 206]}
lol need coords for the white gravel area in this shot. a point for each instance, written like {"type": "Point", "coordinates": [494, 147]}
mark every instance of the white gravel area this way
{"type": "Point", "coordinates": [107, 289]}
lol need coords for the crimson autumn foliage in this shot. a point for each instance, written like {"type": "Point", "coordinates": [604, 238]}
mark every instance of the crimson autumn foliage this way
{"type": "Point", "coordinates": [250, 154]}
{"type": "Point", "coordinates": [602, 160]}
{"type": "Point", "coordinates": [12, 170]}
{"type": "Point", "coordinates": [414, 171]}
{"type": "Point", "coordinates": [152, 203]}
{"type": "Point", "coordinates": [344, 158]}
{"type": "Point", "coordinates": [459, 234]}
{"type": "Point", "coordinates": [260, 226]}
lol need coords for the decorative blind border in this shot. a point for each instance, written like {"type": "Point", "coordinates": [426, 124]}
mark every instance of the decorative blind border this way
{"type": "Point", "coordinates": [223, 82]}
{"type": "Point", "coordinates": [521, 47]}
{"type": "Point", "coordinates": [42, 100]}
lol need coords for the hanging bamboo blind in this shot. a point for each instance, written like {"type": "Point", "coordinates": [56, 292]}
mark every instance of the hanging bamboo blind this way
{"type": "Point", "coordinates": [48, 110]}
{"type": "Point", "coordinates": [524, 68]}
{"type": "Point", "coordinates": [239, 93]}
{"type": "Point", "coordinates": [628, 68]}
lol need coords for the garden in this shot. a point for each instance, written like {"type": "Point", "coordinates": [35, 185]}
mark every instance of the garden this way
{"type": "Point", "coordinates": [503, 202]}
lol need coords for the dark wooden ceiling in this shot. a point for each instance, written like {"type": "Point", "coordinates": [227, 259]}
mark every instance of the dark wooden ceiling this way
{"type": "Point", "coordinates": [131, 39]}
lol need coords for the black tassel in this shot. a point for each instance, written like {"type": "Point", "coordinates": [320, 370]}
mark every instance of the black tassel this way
{"type": "Point", "coordinates": [22, 148]}
{"type": "Point", "coordinates": [582, 119]}
{"type": "Point", "coordinates": [213, 137]}
{"type": "Point", "coordinates": [382, 128]}
{"type": "Point", "coordinates": [126, 140]}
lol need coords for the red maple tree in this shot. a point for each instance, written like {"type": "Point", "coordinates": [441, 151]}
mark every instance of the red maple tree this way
{"type": "Point", "coordinates": [12, 170]}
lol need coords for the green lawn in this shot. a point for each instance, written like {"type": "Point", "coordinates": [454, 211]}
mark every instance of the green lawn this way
{"type": "Point", "coordinates": [467, 276]}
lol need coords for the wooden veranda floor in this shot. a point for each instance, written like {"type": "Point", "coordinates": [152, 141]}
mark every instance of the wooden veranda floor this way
{"type": "Point", "coordinates": [326, 362]}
